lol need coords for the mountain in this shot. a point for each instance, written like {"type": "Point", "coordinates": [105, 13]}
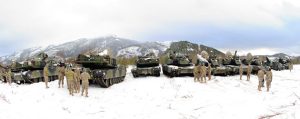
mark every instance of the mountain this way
{"type": "Point", "coordinates": [118, 47]}
{"type": "Point", "coordinates": [185, 47]}
{"type": "Point", "coordinates": [280, 55]}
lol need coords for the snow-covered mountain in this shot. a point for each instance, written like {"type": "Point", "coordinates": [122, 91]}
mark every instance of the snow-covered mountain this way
{"type": "Point", "coordinates": [118, 47]}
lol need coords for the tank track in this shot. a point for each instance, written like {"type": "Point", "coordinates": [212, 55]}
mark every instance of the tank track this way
{"type": "Point", "coordinates": [105, 83]}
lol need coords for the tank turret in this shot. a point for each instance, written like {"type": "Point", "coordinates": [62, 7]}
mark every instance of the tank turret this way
{"type": "Point", "coordinates": [147, 65]}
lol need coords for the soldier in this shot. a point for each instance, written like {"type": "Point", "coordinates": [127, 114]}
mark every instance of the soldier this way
{"type": "Point", "coordinates": [248, 72]}
{"type": "Point", "coordinates": [290, 66]}
{"type": "Point", "coordinates": [203, 73]}
{"type": "Point", "coordinates": [209, 71]}
{"type": "Point", "coordinates": [196, 73]}
{"type": "Point", "coordinates": [85, 82]}
{"type": "Point", "coordinates": [260, 76]}
{"type": "Point", "coordinates": [46, 75]}
{"type": "Point", "coordinates": [241, 72]}
{"type": "Point", "coordinates": [77, 80]}
{"type": "Point", "coordinates": [61, 74]}
{"type": "Point", "coordinates": [70, 75]}
{"type": "Point", "coordinates": [8, 76]}
{"type": "Point", "coordinates": [269, 78]}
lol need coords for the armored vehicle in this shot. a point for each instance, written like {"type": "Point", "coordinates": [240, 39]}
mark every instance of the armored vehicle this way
{"type": "Point", "coordinates": [103, 69]}
{"type": "Point", "coordinates": [29, 71]}
{"type": "Point", "coordinates": [285, 62]}
{"type": "Point", "coordinates": [178, 65]}
{"type": "Point", "coordinates": [217, 68]}
{"type": "Point", "coordinates": [256, 64]}
{"type": "Point", "coordinates": [275, 64]}
{"type": "Point", "coordinates": [233, 63]}
{"type": "Point", "coordinates": [146, 65]}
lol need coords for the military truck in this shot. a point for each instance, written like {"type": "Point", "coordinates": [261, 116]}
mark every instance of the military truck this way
{"type": "Point", "coordinates": [103, 69]}
{"type": "Point", "coordinates": [147, 65]}
{"type": "Point", "coordinates": [178, 65]}
{"type": "Point", "coordinates": [29, 71]}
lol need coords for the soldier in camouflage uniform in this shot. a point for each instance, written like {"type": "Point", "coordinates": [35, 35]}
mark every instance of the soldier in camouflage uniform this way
{"type": "Point", "coordinates": [196, 73]}
{"type": "Point", "coordinates": [1, 74]}
{"type": "Point", "coordinates": [61, 75]}
{"type": "Point", "coordinates": [290, 66]}
{"type": "Point", "coordinates": [85, 82]}
{"type": "Point", "coordinates": [269, 78]}
{"type": "Point", "coordinates": [77, 80]}
{"type": "Point", "coordinates": [70, 75]}
{"type": "Point", "coordinates": [248, 72]}
{"type": "Point", "coordinates": [260, 75]}
{"type": "Point", "coordinates": [46, 75]}
{"type": "Point", "coordinates": [203, 74]}
{"type": "Point", "coordinates": [241, 72]}
{"type": "Point", "coordinates": [209, 71]}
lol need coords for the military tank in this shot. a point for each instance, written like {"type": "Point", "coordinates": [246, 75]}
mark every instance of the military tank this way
{"type": "Point", "coordinates": [29, 71]}
{"type": "Point", "coordinates": [147, 65]}
{"type": "Point", "coordinates": [233, 63]}
{"type": "Point", "coordinates": [178, 65]}
{"type": "Point", "coordinates": [217, 68]}
{"type": "Point", "coordinates": [103, 69]}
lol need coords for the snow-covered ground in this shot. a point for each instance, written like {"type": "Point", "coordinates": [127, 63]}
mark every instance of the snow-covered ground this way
{"type": "Point", "coordinates": [155, 98]}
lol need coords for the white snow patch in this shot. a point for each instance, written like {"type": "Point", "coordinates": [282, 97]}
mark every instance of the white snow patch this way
{"type": "Point", "coordinates": [158, 97]}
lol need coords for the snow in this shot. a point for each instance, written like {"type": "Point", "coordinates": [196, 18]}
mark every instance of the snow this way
{"type": "Point", "coordinates": [158, 97]}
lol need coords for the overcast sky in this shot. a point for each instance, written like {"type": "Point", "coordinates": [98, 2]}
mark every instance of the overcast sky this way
{"type": "Point", "coordinates": [259, 26]}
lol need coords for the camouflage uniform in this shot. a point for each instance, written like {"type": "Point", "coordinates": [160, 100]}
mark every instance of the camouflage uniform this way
{"type": "Point", "coordinates": [248, 72]}
{"type": "Point", "coordinates": [196, 73]}
{"type": "Point", "coordinates": [269, 77]}
{"type": "Point", "coordinates": [46, 75]}
{"type": "Point", "coordinates": [8, 76]}
{"type": "Point", "coordinates": [70, 75]}
{"type": "Point", "coordinates": [203, 73]}
{"type": "Point", "coordinates": [290, 66]}
{"type": "Point", "coordinates": [241, 72]}
{"type": "Point", "coordinates": [61, 74]}
{"type": "Point", "coordinates": [77, 81]}
{"type": "Point", "coordinates": [85, 83]}
{"type": "Point", "coordinates": [260, 76]}
{"type": "Point", "coordinates": [1, 74]}
{"type": "Point", "coordinates": [209, 72]}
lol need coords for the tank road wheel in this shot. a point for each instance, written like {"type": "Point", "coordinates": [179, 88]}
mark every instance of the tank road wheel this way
{"type": "Point", "coordinates": [35, 80]}
{"type": "Point", "coordinates": [173, 74]}
{"type": "Point", "coordinates": [111, 82]}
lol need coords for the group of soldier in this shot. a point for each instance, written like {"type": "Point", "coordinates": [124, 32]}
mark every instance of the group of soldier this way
{"type": "Point", "coordinates": [201, 72]}
{"type": "Point", "coordinates": [73, 79]}
{"type": "Point", "coordinates": [6, 72]}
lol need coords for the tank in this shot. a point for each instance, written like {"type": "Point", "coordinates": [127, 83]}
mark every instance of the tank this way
{"type": "Point", "coordinates": [217, 68]}
{"type": "Point", "coordinates": [233, 63]}
{"type": "Point", "coordinates": [178, 65]}
{"type": "Point", "coordinates": [147, 65]}
{"type": "Point", "coordinates": [285, 62]}
{"type": "Point", "coordinates": [275, 64]}
{"type": "Point", "coordinates": [103, 69]}
{"type": "Point", "coordinates": [29, 71]}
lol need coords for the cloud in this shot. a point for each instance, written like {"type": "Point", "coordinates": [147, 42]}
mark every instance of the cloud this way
{"type": "Point", "coordinates": [44, 22]}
